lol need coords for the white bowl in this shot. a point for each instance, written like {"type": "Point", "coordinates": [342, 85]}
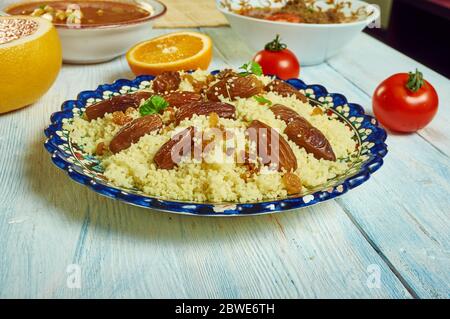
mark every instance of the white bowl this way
{"type": "Point", "coordinates": [312, 43]}
{"type": "Point", "coordinates": [94, 44]}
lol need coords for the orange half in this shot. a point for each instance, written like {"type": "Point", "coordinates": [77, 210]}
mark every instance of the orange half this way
{"type": "Point", "coordinates": [171, 52]}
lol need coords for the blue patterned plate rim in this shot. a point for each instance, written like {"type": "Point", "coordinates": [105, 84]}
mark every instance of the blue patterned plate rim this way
{"type": "Point", "coordinates": [371, 137]}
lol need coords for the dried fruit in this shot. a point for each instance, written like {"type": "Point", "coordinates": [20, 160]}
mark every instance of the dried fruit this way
{"type": "Point", "coordinates": [249, 163]}
{"type": "Point", "coordinates": [166, 82]}
{"type": "Point", "coordinates": [199, 86]}
{"type": "Point", "coordinates": [302, 133]}
{"type": "Point", "coordinates": [278, 155]}
{"type": "Point", "coordinates": [100, 149]}
{"type": "Point", "coordinates": [233, 87]}
{"type": "Point", "coordinates": [120, 118]}
{"type": "Point", "coordinates": [133, 131]}
{"type": "Point", "coordinates": [180, 145]}
{"type": "Point", "coordinates": [213, 119]}
{"type": "Point", "coordinates": [317, 111]}
{"type": "Point", "coordinates": [171, 119]}
{"type": "Point", "coordinates": [224, 110]}
{"type": "Point", "coordinates": [177, 99]}
{"type": "Point", "coordinates": [292, 183]}
{"type": "Point", "coordinates": [284, 113]}
{"type": "Point", "coordinates": [284, 89]}
{"type": "Point", "coordinates": [130, 111]}
{"type": "Point", "coordinates": [115, 104]}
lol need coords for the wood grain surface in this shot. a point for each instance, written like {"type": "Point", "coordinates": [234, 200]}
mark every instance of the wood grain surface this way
{"type": "Point", "coordinates": [191, 14]}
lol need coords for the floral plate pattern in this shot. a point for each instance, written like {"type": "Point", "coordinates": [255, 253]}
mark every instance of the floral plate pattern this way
{"type": "Point", "coordinates": [86, 169]}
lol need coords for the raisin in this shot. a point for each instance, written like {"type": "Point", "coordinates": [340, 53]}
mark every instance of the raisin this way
{"type": "Point", "coordinates": [292, 183]}
{"type": "Point", "coordinates": [120, 118]}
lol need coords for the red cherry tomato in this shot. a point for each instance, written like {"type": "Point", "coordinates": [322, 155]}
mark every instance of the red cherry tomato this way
{"type": "Point", "coordinates": [405, 102]}
{"type": "Point", "coordinates": [277, 60]}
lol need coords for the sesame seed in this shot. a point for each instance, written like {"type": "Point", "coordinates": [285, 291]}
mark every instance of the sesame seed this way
{"type": "Point", "coordinates": [13, 29]}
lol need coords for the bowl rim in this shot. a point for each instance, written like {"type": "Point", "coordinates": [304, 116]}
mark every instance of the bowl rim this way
{"type": "Point", "coordinates": [97, 27]}
{"type": "Point", "coordinates": [374, 16]}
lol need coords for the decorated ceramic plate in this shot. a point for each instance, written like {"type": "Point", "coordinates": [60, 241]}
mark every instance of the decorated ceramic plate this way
{"type": "Point", "coordinates": [85, 166]}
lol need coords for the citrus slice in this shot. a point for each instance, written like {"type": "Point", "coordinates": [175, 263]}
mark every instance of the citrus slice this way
{"type": "Point", "coordinates": [30, 60]}
{"type": "Point", "coordinates": [171, 52]}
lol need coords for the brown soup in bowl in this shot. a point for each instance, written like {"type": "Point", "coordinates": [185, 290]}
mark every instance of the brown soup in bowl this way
{"type": "Point", "coordinates": [85, 13]}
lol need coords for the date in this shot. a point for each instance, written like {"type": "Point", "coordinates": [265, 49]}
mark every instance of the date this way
{"type": "Point", "coordinates": [284, 113]}
{"type": "Point", "coordinates": [177, 99]}
{"type": "Point", "coordinates": [223, 110]}
{"type": "Point", "coordinates": [284, 89]}
{"type": "Point", "coordinates": [234, 87]}
{"type": "Point", "coordinates": [119, 103]}
{"type": "Point", "coordinates": [302, 133]}
{"type": "Point", "coordinates": [166, 82]}
{"type": "Point", "coordinates": [272, 148]}
{"type": "Point", "coordinates": [180, 145]}
{"type": "Point", "coordinates": [133, 131]}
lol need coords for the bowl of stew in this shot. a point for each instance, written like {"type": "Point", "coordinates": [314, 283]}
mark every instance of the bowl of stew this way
{"type": "Point", "coordinates": [94, 31]}
{"type": "Point", "coordinates": [314, 30]}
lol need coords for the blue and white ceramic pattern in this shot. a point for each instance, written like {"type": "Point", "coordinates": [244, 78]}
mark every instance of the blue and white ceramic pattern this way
{"type": "Point", "coordinates": [86, 169]}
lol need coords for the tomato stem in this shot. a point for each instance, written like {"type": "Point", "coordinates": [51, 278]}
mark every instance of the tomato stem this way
{"type": "Point", "coordinates": [415, 81]}
{"type": "Point", "coordinates": [275, 45]}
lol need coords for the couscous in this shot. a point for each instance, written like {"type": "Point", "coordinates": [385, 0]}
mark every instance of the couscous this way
{"type": "Point", "coordinates": [141, 145]}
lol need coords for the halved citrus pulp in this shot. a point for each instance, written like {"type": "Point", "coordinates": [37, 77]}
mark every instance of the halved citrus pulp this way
{"type": "Point", "coordinates": [30, 60]}
{"type": "Point", "coordinates": [171, 52]}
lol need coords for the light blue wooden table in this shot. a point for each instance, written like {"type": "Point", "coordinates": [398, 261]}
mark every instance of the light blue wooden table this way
{"type": "Point", "coordinates": [389, 238]}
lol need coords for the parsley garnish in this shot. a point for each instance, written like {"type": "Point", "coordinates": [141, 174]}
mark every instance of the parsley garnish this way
{"type": "Point", "coordinates": [262, 100]}
{"type": "Point", "coordinates": [251, 67]}
{"type": "Point", "coordinates": [153, 105]}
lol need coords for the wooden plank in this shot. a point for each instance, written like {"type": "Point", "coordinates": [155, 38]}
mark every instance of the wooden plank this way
{"type": "Point", "coordinates": [228, 46]}
{"type": "Point", "coordinates": [372, 61]}
{"type": "Point", "coordinates": [403, 210]}
{"type": "Point", "coordinates": [191, 14]}
{"type": "Point", "coordinates": [124, 251]}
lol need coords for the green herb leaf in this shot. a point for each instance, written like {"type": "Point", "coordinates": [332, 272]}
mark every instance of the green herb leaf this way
{"type": "Point", "coordinates": [262, 100]}
{"type": "Point", "coordinates": [256, 68]}
{"type": "Point", "coordinates": [245, 68]}
{"type": "Point", "coordinates": [251, 67]}
{"type": "Point", "coordinates": [153, 105]}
